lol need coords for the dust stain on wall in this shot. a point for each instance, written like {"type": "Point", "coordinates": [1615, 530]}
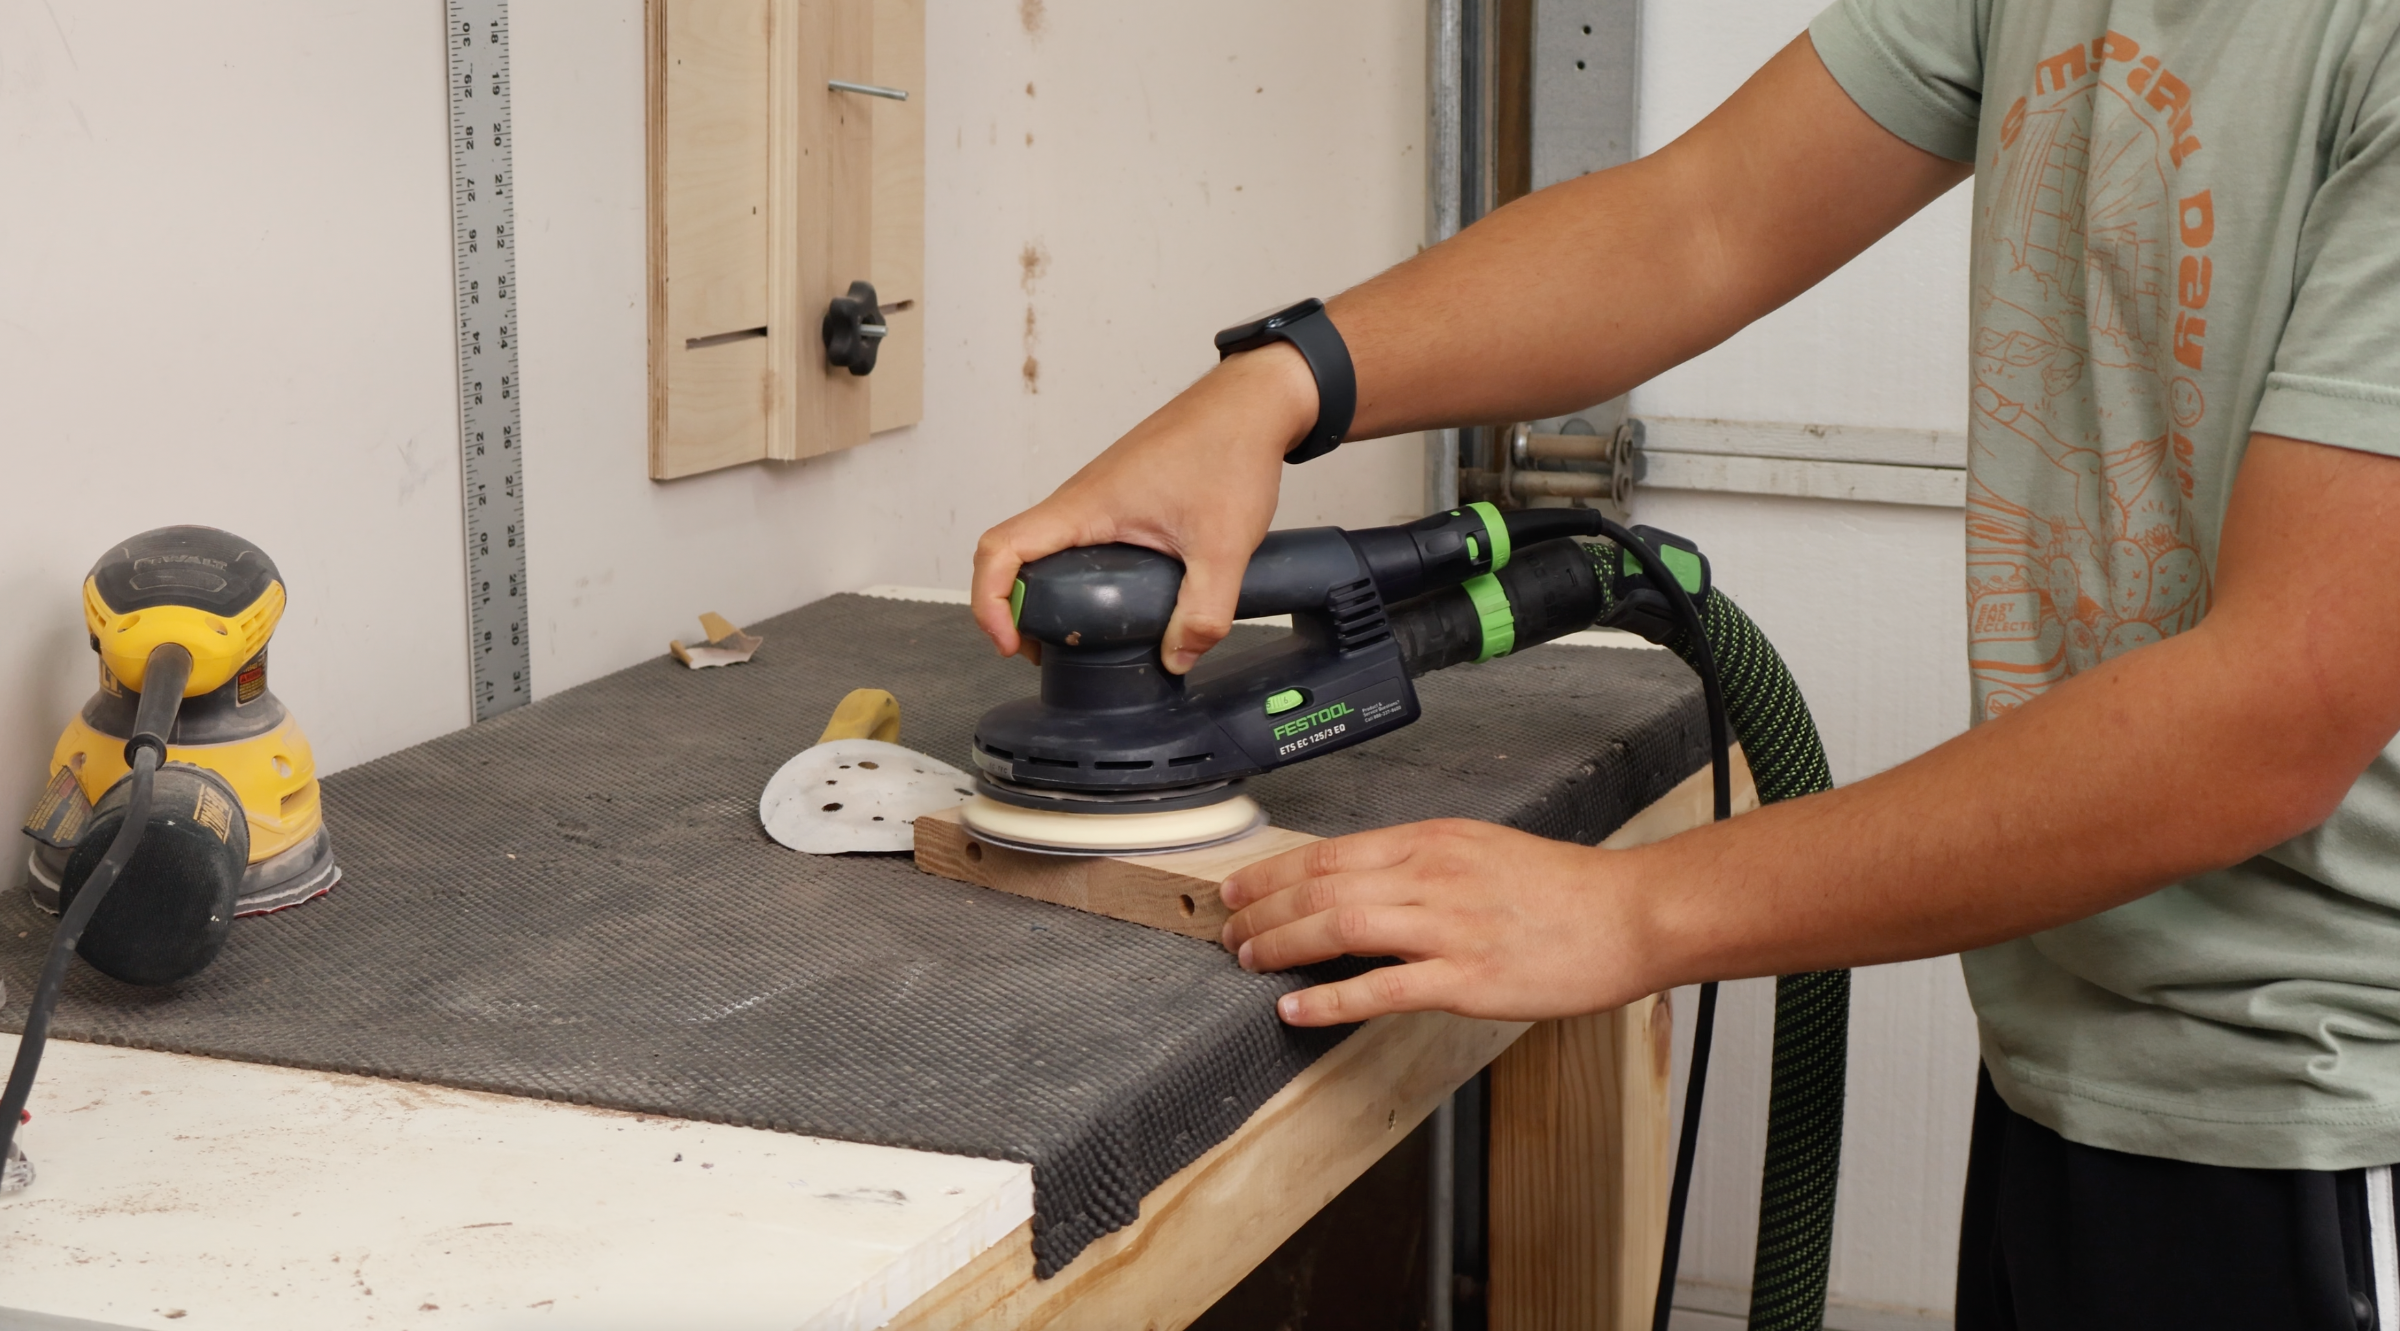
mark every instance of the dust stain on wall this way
{"type": "Point", "coordinates": [1033, 366]}
{"type": "Point", "coordinates": [1033, 262]}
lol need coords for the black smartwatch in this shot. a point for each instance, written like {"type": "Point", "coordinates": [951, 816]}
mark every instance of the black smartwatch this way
{"type": "Point", "coordinates": [1307, 327]}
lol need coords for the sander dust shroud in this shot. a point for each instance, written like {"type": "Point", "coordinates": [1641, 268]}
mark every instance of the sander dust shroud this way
{"type": "Point", "coordinates": [1115, 755]}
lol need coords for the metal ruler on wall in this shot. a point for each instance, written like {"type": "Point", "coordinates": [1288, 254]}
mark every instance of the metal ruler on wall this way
{"type": "Point", "coordinates": [491, 431]}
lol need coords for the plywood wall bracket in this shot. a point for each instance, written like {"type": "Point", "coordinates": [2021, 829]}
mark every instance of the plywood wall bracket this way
{"type": "Point", "coordinates": [770, 193]}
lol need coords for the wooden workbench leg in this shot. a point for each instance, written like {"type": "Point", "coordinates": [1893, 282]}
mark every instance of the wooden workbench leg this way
{"type": "Point", "coordinates": [1580, 1165]}
{"type": "Point", "coordinates": [1582, 1154]}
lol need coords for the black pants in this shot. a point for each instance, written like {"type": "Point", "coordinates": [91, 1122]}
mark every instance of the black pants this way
{"type": "Point", "coordinates": [2061, 1237]}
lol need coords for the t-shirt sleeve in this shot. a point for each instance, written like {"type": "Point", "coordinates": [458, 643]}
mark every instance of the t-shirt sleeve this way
{"type": "Point", "coordinates": [1914, 66]}
{"type": "Point", "coordinates": [2337, 370]}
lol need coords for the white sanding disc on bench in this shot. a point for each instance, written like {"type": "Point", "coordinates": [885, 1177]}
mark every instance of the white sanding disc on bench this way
{"type": "Point", "coordinates": [857, 795]}
{"type": "Point", "coordinates": [1055, 833]}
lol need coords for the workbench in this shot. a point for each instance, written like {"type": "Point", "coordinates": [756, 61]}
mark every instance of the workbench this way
{"type": "Point", "coordinates": [188, 1191]}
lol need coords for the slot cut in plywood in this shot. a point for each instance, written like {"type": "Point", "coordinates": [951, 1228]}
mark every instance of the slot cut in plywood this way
{"type": "Point", "coordinates": [769, 194]}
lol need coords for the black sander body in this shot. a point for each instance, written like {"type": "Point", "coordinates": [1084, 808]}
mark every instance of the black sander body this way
{"type": "Point", "coordinates": [1118, 756]}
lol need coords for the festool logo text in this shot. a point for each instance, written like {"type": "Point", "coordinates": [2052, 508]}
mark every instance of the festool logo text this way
{"type": "Point", "coordinates": [1312, 720]}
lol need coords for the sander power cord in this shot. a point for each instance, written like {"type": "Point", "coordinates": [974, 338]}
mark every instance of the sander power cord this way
{"type": "Point", "coordinates": [1750, 691]}
{"type": "Point", "coordinates": [169, 670]}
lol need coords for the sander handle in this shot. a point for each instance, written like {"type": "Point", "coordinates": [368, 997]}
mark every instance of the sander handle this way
{"type": "Point", "coordinates": [1306, 568]}
{"type": "Point", "coordinates": [1118, 597]}
{"type": "Point", "coordinates": [1548, 591]}
{"type": "Point", "coordinates": [163, 681]}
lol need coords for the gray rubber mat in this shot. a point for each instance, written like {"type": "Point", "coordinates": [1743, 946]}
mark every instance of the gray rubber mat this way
{"type": "Point", "coordinates": [576, 901]}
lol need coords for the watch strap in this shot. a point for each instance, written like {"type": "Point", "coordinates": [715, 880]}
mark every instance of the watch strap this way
{"type": "Point", "coordinates": [1310, 330]}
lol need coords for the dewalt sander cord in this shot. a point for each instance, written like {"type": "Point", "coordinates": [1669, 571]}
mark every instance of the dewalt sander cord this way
{"type": "Point", "coordinates": [170, 668]}
{"type": "Point", "coordinates": [1117, 756]}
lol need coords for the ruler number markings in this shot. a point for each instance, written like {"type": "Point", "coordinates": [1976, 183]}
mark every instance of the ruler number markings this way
{"type": "Point", "coordinates": [483, 218]}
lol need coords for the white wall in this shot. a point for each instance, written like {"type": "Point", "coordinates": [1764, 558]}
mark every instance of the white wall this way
{"type": "Point", "coordinates": [225, 298]}
{"type": "Point", "coordinates": [1866, 602]}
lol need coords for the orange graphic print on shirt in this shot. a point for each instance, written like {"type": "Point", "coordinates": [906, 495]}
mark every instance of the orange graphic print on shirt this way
{"type": "Point", "coordinates": [2091, 286]}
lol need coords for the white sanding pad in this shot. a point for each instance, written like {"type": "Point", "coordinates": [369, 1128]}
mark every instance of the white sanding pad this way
{"type": "Point", "coordinates": [1111, 833]}
{"type": "Point", "coordinates": [857, 795]}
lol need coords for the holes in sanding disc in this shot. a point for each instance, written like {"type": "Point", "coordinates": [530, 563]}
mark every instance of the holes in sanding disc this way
{"type": "Point", "coordinates": [833, 808]}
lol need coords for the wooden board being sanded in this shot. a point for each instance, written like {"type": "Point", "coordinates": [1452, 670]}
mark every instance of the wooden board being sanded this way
{"type": "Point", "coordinates": [1176, 892]}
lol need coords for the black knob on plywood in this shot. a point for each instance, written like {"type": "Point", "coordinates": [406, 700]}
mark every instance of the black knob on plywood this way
{"type": "Point", "coordinates": [854, 328]}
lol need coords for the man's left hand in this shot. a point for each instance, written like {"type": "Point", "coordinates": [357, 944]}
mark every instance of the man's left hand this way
{"type": "Point", "coordinates": [1486, 922]}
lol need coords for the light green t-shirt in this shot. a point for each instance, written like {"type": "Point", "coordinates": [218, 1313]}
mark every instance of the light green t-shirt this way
{"type": "Point", "coordinates": [2187, 228]}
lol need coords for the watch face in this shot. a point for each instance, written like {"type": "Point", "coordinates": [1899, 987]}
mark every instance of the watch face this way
{"type": "Point", "coordinates": [1256, 332]}
{"type": "Point", "coordinates": [1276, 318]}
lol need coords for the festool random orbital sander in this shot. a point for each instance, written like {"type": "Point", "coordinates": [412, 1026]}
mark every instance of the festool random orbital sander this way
{"type": "Point", "coordinates": [1116, 756]}
{"type": "Point", "coordinates": [183, 794]}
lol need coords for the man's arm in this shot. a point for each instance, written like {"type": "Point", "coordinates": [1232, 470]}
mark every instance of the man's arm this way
{"type": "Point", "coordinates": [2185, 755]}
{"type": "Point", "coordinates": [1564, 298]}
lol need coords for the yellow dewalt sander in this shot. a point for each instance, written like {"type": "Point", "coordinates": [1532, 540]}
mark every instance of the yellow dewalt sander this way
{"type": "Point", "coordinates": [218, 597]}
{"type": "Point", "coordinates": [181, 796]}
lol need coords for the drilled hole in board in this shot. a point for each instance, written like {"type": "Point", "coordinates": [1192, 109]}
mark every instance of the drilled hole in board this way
{"type": "Point", "coordinates": [1188, 906]}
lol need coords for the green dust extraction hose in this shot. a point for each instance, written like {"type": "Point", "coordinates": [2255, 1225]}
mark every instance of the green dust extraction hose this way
{"type": "Point", "coordinates": [1555, 586]}
{"type": "Point", "coordinates": [1812, 1011]}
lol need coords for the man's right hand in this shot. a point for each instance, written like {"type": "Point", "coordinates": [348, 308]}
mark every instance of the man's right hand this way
{"type": "Point", "coordinates": [1604, 281]}
{"type": "Point", "coordinates": [1197, 480]}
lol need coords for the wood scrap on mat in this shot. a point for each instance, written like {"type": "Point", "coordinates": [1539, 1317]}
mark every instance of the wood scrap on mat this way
{"type": "Point", "coordinates": [1176, 891]}
{"type": "Point", "coordinates": [725, 644]}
